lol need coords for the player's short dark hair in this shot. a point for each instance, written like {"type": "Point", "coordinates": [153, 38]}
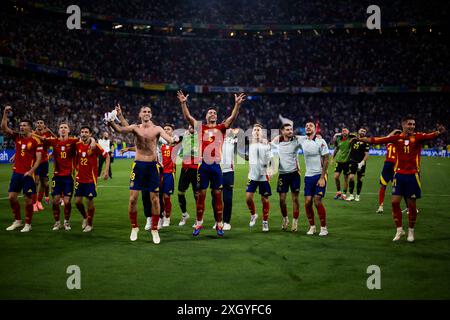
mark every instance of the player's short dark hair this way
{"type": "Point", "coordinates": [27, 121]}
{"type": "Point", "coordinates": [285, 125]}
{"type": "Point", "coordinates": [86, 127]}
{"type": "Point", "coordinates": [169, 125]}
{"type": "Point", "coordinates": [40, 119]}
{"type": "Point", "coordinates": [145, 106]}
{"type": "Point", "coordinates": [258, 125]}
{"type": "Point", "coordinates": [408, 117]}
{"type": "Point", "coordinates": [365, 128]}
{"type": "Point", "coordinates": [64, 122]}
{"type": "Point", "coordinates": [211, 108]}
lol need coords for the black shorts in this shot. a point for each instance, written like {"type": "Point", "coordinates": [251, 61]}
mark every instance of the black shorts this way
{"type": "Point", "coordinates": [188, 176]}
{"type": "Point", "coordinates": [353, 169]}
{"type": "Point", "coordinates": [342, 167]}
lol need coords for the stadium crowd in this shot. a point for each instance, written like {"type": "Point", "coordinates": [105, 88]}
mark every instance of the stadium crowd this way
{"type": "Point", "coordinates": [407, 59]}
{"type": "Point", "coordinates": [325, 60]}
{"type": "Point", "coordinates": [54, 100]}
{"type": "Point", "coordinates": [258, 12]}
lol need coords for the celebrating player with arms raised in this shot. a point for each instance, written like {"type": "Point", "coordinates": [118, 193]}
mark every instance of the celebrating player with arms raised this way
{"type": "Point", "coordinates": [27, 159]}
{"type": "Point", "coordinates": [406, 181]}
{"type": "Point", "coordinates": [209, 172]}
{"type": "Point", "coordinates": [144, 175]}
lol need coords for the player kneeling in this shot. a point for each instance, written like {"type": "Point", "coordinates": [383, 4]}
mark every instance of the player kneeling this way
{"type": "Point", "coordinates": [86, 180]}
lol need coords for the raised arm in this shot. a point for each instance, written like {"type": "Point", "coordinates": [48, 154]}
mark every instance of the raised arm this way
{"type": "Point", "coordinates": [122, 119]}
{"type": "Point", "coordinates": [35, 135]}
{"type": "Point", "coordinates": [165, 136]}
{"type": "Point", "coordinates": [238, 100]}
{"type": "Point", "coordinates": [380, 140]}
{"type": "Point", "coordinates": [184, 108]}
{"type": "Point", "coordinates": [47, 129]}
{"type": "Point", "coordinates": [4, 126]}
{"type": "Point", "coordinates": [333, 141]}
{"type": "Point", "coordinates": [432, 135]}
{"type": "Point", "coordinates": [121, 129]}
{"type": "Point", "coordinates": [275, 140]}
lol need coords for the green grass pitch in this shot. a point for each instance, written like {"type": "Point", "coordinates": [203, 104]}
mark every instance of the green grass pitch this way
{"type": "Point", "coordinates": [245, 264]}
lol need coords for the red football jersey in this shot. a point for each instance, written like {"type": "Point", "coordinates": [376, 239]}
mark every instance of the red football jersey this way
{"type": "Point", "coordinates": [45, 145]}
{"type": "Point", "coordinates": [167, 163]}
{"type": "Point", "coordinates": [26, 149]}
{"type": "Point", "coordinates": [408, 150]}
{"type": "Point", "coordinates": [63, 154]}
{"type": "Point", "coordinates": [87, 162]}
{"type": "Point", "coordinates": [391, 153]}
{"type": "Point", "coordinates": [212, 140]}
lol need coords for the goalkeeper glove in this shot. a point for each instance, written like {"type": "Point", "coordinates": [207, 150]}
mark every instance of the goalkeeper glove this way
{"type": "Point", "coordinates": [361, 164]}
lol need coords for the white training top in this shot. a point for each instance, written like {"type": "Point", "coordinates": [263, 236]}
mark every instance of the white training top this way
{"type": "Point", "coordinates": [259, 158]}
{"type": "Point", "coordinates": [105, 144]}
{"type": "Point", "coordinates": [227, 162]}
{"type": "Point", "coordinates": [313, 151]}
{"type": "Point", "coordinates": [287, 151]}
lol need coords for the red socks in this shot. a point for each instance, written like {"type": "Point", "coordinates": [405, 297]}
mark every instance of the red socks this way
{"type": "Point", "coordinates": [56, 212]}
{"type": "Point", "coordinates": [28, 213]}
{"type": "Point", "coordinates": [412, 215]}
{"type": "Point", "coordinates": [82, 210]}
{"type": "Point", "coordinates": [155, 220]}
{"type": "Point", "coordinates": [381, 194]}
{"type": "Point", "coordinates": [15, 206]}
{"type": "Point", "coordinates": [40, 196]}
{"type": "Point", "coordinates": [284, 212]}
{"type": "Point", "coordinates": [251, 206]}
{"type": "Point", "coordinates": [167, 206]}
{"type": "Point", "coordinates": [133, 219]}
{"type": "Point", "coordinates": [266, 208]}
{"type": "Point", "coordinates": [310, 215]}
{"type": "Point", "coordinates": [201, 206]}
{"type": "Point", "coordinates": [67, 211]}
{"type": "Point", "coordinates": [322, 215]}
{"type": "Point", "coordinates": [90, 216]}
{"type": "Point", "coordinates": [397, 214]}
{"type": "Point", "coordinates": [218, 203]}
